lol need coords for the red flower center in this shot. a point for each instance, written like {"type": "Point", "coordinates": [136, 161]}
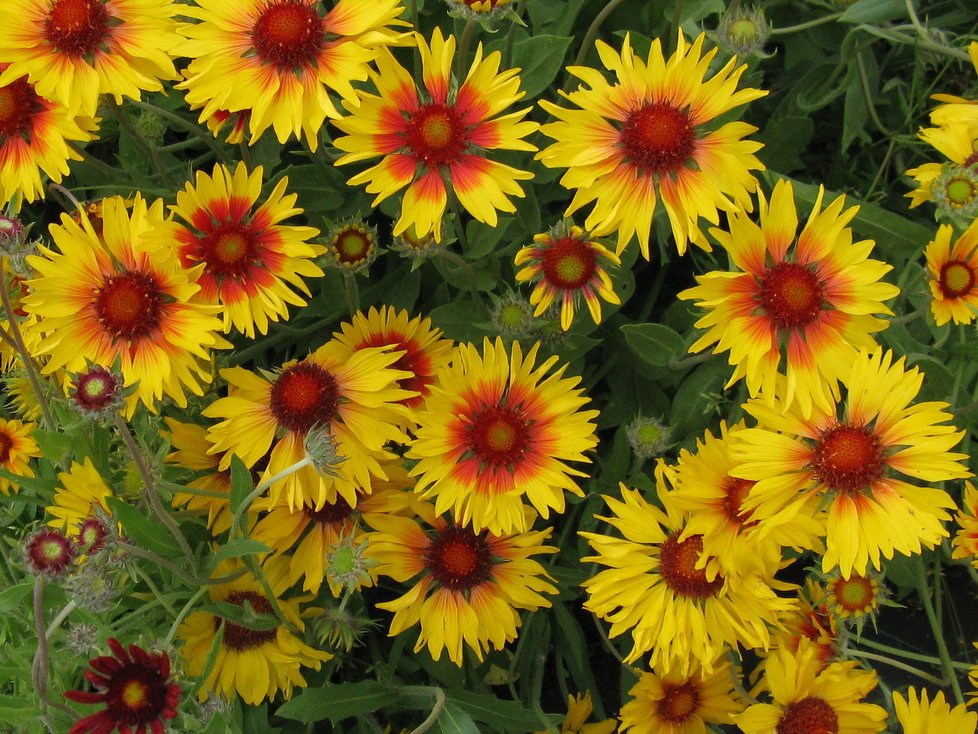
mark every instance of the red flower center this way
{"type": "Point", "coordinates": [436, 135]}
{"type": "Point", "coordinates": [76, 27]}
{"type": "Point", "coordinates": [136, 695]}
{"type": "Point", "coordinates": [91, 535]}
{"type": "Point", "coordinates": [678, 702]}
{"type": "Point", "coordinates": [848, 458]}
{"type": "Point", "coordinates": [352, 245]}
{"type": "Point", "coordinates": [6, 443]}
{"type": "Point", "coordinates": [95, 390]}
{"type": "Point", "coordinates": [810, 715]}
{"type": "Point", "coordinates": [791, 295]}
{"type": "Point", "coordinates": [658, 138]}
{"type": "Point", "coordinates": [956, 279]}
{"type": "Point", "coordinates": [18, 105]}
{"type": "Point", "coordinates": [458, 558]}
{"type": "Point", "coordinates": [334, 513]}
{"type": "Point", "coordinates": [129, 305]}
{"type": "Point", "coordinates": [240, 638]}
{"type": "Point", "coordinates": [677, 565]}
{"type": "Point", "coordinates": [288, 34]}
{"type": "Point", "coordinates": [569, 263]}
{"type": "Point", "coordinates": [735, 491]}
{"type": "Point", "coordinates": [304, 395]}
{"type": "Point", "coordinates": [414, 360]}
{"type": "Point", "coordinates": [854, 594]}
{"type": "Point", "coordinates": [498, 436]}
{"type": "Point", "coordinates": [230, 250]}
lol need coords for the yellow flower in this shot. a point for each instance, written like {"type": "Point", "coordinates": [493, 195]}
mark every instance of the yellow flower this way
{"type": "Point", "coordinates": [466, 586]}
{"type": "Point", "coordinates": [17, 447]}
{"type": "Point", "coordinates": [566, 264]}
{"type": "Point", "coordinates": [665, 701]}
{"type": "Point", "coordinates": [82, 491]}
{"type": "Point", "coordinates": [253, 264]}
{"type": "Point", "coordinates": [258, 662]}
{"type": "Point", "coordinates": [279, 59]}
{"type": "Point", "coordinates": [807, 301]}
{"type": "Point", "coordinates": [579, 709]}
{"type": "Point", "coordinates": [653, 587]}
{"type": "Point", "coordinates": [953, 271]}
{"type": "Point", "coordinates": [965, 541]}
{"type": "Point", "coordinates": [917, 715]}
{"type": "Point", "coordinates": [851, 457]}
{"type": "Point", "coordinates": [112, 295]}
{"type": "Point", "coordinates": [431, 137]}
{"type": "Point", "coordinates": [809, 698]}
{"type": "Point", "coordinates": [649, 137]}
{"type": "Point", "coordinates": [496, 429]}
{"type": "Point", "coordinates": [958, 142]}
{"type": "Point", "coordinates": [75, 50]}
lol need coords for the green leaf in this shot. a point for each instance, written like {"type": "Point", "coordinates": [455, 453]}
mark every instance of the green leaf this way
{"type": "Point", "coordinates": [241, 482]}
{"type": "Point", "coordinates": [508, 716]}
{"type": "Point", "coordinates": [54, 446]}
{"type": "Point", "coordinates": [141, 530]}
{"type": "Point", "coordinates": [13, 597]}
{"type": "Point", "coordinates": [658, 345]}
{"type": "Point", "coordinates": [237, 548]}
{"type": "Point", "coordinates": [540, 58]}
{"type": "Point", "coordinates": [874, 11]}
{"type": "Point", "coordinates": [454, 720]}
{"type": "Point", "coordinates": [337, 701]}
{"type": "Point", "coordinates": [856, 110]}
{"type": "Point", "coordinates": [22, 711]}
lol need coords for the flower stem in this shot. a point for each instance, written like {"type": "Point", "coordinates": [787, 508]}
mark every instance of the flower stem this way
{"type": "Point", "coordinates": [257, 492]}
{"type": "Point", "coordinates": [150, 486]}
{"type": "Point", "coordinates": [909, 655]}
{"type": "Point", "coordinates": [438, 706]}
{"type": "Point", "coordinates": [463, 49]}
{"type": "Point", "coordinates": [896, 664]}
{"type": "Point", "coordinates": [805, 26]}
{"type": "Point", "coordinates": [935, 624]}
{"type": "Point", "coordinates": [183, 613]}
{"type": "Point", "coordinates": [592, 33]}
{"type": "Point", "coordinates": [39, 668]}
{"type": "Point", "coordinates": [187, 125]}
{"type": "Point", "coordinates": [61, 617]}
{"type": "Point", "coordinates": [469, 274]}
{"type": "Point", "coordinates": [351, 292]}
{"type": "Point", "coordinates": [24, 355]}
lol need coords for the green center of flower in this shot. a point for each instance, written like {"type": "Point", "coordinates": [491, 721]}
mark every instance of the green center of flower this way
{"type": "Point", "coordinates": [498, 436]}
{"type": "Point", "coordinates": [18, 105]}
{"type": "Point", "coordinates": [76, 27]}
{"type": "Point", "coordinates": [435, 135]}
{"type": "Point", "coordinates": [95, 389]}
{"type": "Point", "coordinates": [791, 295]}
{"type": "Point", "coordinates": [678, 702]}
{"type": "Point", "coordinates": [49, 551]}
{"type": "Point", "coordinates": [744, 32]}
{"type": "Point", "coordinates": [91, 534]}
{"type": "Point", "coordinates": [960, 191]}
{"type": "Point", "coordinates": [240, 638]}
{"type": "Point", "coordinates": [854, 594]}
{"type": "Point", "coordinates": [288, 34]}
{"type": "Point", "coordinates": [513, 316]}
{"type": "Point", "coordinates": [956, 279]}
{"type": "Point", "coordinates": [352, 245]}
{"type": "Point", "coordinates": [810, 715]}
{"type": "Point", "coordinates": [848, 458]}
{"type": "Point", "coordinates": [230, 250]}
{"type": "Point", "coordinates": [569, 264]}
{"type": "Point", "coordinates": [677, 565]}
{"type": "Point", "coordinates": [658, 138]}
{"type": "Point", "coordinates": [457, 558]}
{"type": "Point", "coordinates": [129, 305]}
{"type": "Point", "coordinates": [304, 395]}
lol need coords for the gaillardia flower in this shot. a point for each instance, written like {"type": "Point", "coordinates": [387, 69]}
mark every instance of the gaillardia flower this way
{"type": "Point", "coordinates": [953, 271]}
{"type": "Point", "coordinates": [809, 698]}
{"type": "Point", "coordinates": [467, 585]}
{"type": "Point", "coordinates": [665, 701]}
{"type": "Point", "coordinates": [808, 301]}
{"type": "Point", "coordinates": [566, 264]}
{"type": "Point", "coordinates": [958, 143]}
{"type": "Point", "coordinates": [423, 347]}
{"type": "Point", "coordinates": [82, 494]}
{"type": "Point", "coordinates": [279, 59]}
{"type": "Point", "coordinates": [965, 543]}
{"type": "Point", "coordinates": [352, 395]}
{"type": "Point", "coordinates": [75, 50]}
{"type": "Point", "coordinates": [852, 458]}
{"type": "Point", "coordinates": [434, 139]}
{"type": "Point", "coordinates": [255, 662]}
{"type": "Point", "coordinates": [579, 710]}
{"type": "Point", "coordinates": [135, 688]}
{"type": "Point", "coordinates": [17, 448]}
{"type": "Point", "coordinates": [113, 295]}
{"type": "Point", "coordinates": [918, 715]}
{"type": "Point", "coordinates": [648, 137]}
{"type": "Point", "coordinates": [496, 429]}
{"type": "Point", "coordinates": [253, 264]}
{"type": "Point", "coordinates": [34, 137]}
{"type": "Point", "coordinates": [654, 586]}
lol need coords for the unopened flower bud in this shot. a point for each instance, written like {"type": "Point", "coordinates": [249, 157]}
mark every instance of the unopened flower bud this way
{"type": "Point", "coordinates": [743, 31]}
{"type": "Point", "coordinates": [648, 437]}
{"type": "Point", "coordinates": [49, 552]}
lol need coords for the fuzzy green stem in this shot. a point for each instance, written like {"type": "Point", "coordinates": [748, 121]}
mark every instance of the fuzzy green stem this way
{"type": "Point", "coordinates": [438, 705]}
{"type": "Point", "coordinates": [25, 356]}
{"type": "Point", "coordinates": [896, 664]}
{"type": "Point", "coordinates": [351, 292]}
{"type": "Point", "coordinates": [463, 49]}
{"type": "Point", "coordinates": [60, 618]}
{"type": "Point", "coordinates": [39, 668]}
{"type": "Point", "coordinates": [187, 125]}
{"type": "Point", "coordinates": [805, 26]}
{"type": "Point", "coordinates": [149, 485]}
{"type": "Point", "coordinates": [470, 278]}
{"type": "Point", "coordinates": [592, 33]}
{"type": "Point", "coordinates": [257, 492]}
{"type": "Point", "coordinates": [183, 613]}
{"type": "Point", "coordinates": [909, 655]}
{"type": "Point", "coordinates": [923, 592]}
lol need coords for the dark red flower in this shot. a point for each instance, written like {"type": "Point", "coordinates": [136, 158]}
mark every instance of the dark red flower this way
{"type": "Point", "coordinates": [135, 687]}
